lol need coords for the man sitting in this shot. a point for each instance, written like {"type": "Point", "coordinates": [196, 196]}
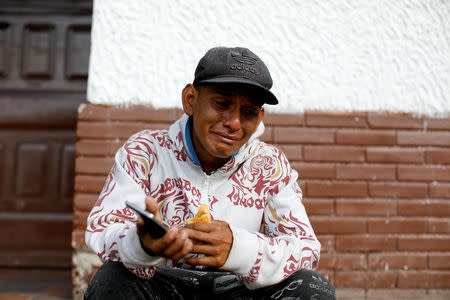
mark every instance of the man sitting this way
{"type": "Point", "coordinates": [259, 244]}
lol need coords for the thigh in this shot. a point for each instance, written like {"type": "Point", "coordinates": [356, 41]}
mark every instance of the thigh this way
{"type": "Point", "coordinates": [303, 284]}
{"type": "Point", "coordinates": [205, 285]}
{"type": "Point", "coordinates": [114, 281]}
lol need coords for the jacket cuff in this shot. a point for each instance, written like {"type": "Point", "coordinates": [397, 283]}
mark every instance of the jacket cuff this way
{"type": "Point", "coordinates": [132, 253]}
{"type": "Point", "coordinates": [243, 252]}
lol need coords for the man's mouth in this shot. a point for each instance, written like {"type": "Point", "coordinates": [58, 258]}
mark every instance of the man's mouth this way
{"type": "Point", "coordinates": [226, 138]}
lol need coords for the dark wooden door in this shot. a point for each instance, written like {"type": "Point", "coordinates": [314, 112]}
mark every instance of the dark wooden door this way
{"type": "Point", "coordinates": [44, 57]}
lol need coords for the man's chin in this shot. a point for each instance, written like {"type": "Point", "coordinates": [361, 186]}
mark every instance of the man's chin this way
{"type": "Point", "coordinates": [225, 154]}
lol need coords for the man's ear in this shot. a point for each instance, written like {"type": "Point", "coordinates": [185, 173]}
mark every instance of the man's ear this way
{"type": "Point", "coordinates": [188, 97]}
{"type": "Point", "coordinates": [261, 114]}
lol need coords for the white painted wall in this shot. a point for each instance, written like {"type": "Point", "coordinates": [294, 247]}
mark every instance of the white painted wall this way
{"type": "Point", "coordinates": [342, 55]}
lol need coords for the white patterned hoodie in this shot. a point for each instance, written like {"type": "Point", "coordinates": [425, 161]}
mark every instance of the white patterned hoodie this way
{"type": "Point", "coordinates": [255, 187]}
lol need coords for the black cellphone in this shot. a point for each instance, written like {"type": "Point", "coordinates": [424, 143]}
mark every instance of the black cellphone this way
{"type": "Point", "coordinates": [154, 227]}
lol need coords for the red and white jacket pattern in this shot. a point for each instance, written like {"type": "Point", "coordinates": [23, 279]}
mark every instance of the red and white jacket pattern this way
{"type": "Point", "coordinates": [256, 187]}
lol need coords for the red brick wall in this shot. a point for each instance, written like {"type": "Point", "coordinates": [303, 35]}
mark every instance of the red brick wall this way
{"type": "Point", "coordinates": [376, 187]}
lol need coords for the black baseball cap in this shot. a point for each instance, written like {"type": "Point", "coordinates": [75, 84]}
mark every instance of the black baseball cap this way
{"type": "Point", "coordinates": [238, 65]}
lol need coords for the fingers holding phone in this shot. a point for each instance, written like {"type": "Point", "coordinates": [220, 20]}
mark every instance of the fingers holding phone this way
{"type": "Point", "coordinates": [152, 207]}
{"type": "Point", "coordinates": [150, 223]}
{"type": "Point", "coordinates": [157, 237]}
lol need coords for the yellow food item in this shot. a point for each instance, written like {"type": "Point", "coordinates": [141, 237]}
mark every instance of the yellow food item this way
{"type": "Point", "coordinates": [202, 216]}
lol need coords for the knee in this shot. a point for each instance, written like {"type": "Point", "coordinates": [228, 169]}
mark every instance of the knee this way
{"type": "Point", "coordinates": [109, 281]}
{"type": "Point", "coordinates": [311, 285]}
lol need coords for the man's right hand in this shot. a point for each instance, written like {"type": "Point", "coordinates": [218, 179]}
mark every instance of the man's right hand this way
{"type": "Point", "coordinates": [174, 244]}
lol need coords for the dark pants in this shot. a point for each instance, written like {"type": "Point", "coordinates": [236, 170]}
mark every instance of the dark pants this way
{"type": "Point", "coordinates": [114, 281]}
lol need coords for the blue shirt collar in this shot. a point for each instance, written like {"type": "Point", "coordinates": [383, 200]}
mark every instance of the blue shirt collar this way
{"type": "Point", "coordinates": [189, 146]}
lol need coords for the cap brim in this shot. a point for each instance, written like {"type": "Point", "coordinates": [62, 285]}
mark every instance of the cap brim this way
{"type": "Point", "coordinates": [269, 97]}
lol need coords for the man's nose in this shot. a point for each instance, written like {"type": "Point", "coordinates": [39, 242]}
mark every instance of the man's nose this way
{"type": "Point", "coordinates": [233, 120]}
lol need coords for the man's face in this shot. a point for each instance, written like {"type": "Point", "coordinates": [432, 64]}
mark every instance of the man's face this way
{"type": "Point", "coordinates": [224, 118]}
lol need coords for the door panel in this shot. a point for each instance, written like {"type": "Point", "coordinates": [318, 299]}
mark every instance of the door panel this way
{"type": "Point", "coordinates": [37, 169]}
{"type": "Point", "coordinates": [41, 52]}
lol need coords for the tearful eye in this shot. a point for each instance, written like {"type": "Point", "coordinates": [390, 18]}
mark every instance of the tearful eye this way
{"type": "Point", "coordinates": [251, 112]}
{"type": "Point", "coordinates": [222, 104]}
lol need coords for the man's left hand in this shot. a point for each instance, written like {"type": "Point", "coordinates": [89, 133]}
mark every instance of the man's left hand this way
{"type": "Point", "coordinates": [213, 240]}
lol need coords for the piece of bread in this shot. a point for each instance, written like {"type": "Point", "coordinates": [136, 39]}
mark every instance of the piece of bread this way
{"type": "Point", "coordinates": [202, 216]}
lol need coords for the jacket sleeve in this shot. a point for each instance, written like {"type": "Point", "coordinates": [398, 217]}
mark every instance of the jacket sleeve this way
{"type": "Point", "coordinates": [111, 231]}
{"type": "Point", "coordinates": [288, 243]}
